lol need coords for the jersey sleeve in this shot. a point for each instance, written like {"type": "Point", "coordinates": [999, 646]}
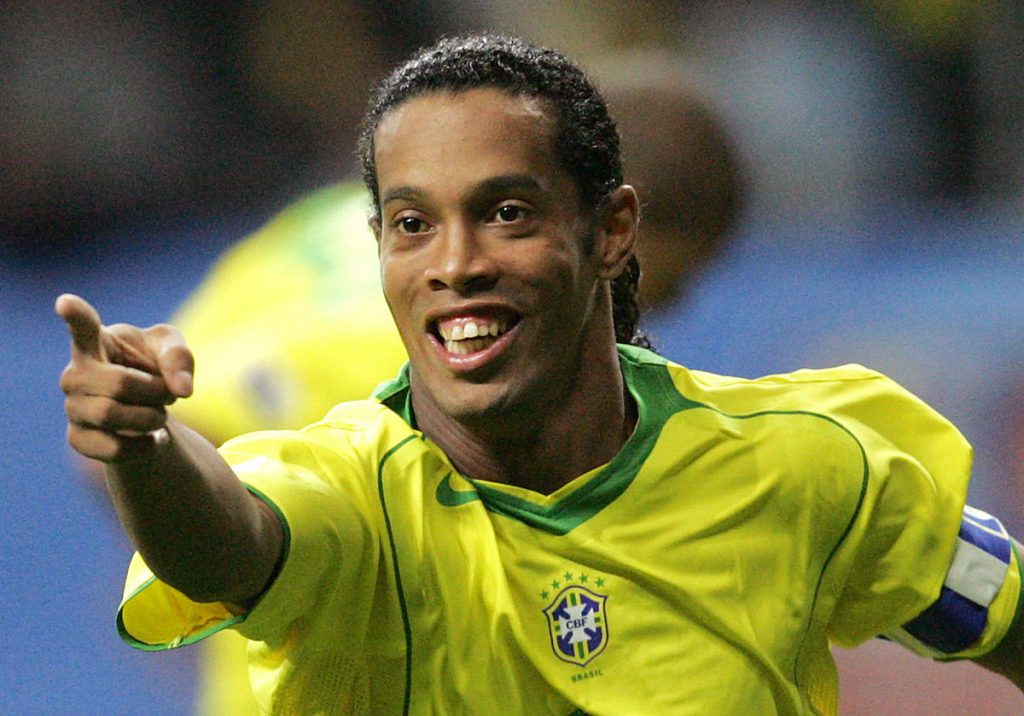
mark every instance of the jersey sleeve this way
{"type": "Point", "coordinates": [906, 543]}
{"type": "Point", "coordinates": [315, 489]}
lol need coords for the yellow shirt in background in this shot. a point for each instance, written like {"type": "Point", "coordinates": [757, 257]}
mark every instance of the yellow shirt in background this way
{"type": "Point", "coordinates": [290, 321]}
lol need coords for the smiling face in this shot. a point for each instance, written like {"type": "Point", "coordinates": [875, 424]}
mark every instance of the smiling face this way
{"type": "Point", "coordinates": [496, 279]}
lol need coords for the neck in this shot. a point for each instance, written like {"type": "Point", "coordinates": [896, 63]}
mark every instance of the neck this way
{"type": "Point", "coordinates": [547, 443]}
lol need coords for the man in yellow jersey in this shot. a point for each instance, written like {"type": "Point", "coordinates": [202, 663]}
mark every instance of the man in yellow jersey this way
{"type": "Point", "coordinates": [271, 318]}
{"type": "Point", "coordinates": [538, 515]}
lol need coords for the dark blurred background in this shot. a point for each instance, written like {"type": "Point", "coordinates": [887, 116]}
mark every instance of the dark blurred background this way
{"type": "Point", "coordinates": [883, 144]}
{"type": "Point", "coordinates": [116, 114]}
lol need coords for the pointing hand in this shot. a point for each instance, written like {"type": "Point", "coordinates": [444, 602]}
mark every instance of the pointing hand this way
{"type": "Point", "coordinates": [119, 381]}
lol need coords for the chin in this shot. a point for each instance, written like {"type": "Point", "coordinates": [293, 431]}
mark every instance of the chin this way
{"type": "Point", "coordinates": [465, 406]}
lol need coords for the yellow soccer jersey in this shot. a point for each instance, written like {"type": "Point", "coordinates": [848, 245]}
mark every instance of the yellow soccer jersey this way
{"type": "Point", "coordinates": [290, 321]}
{"type": "Point", "coordinates": [743, 525]}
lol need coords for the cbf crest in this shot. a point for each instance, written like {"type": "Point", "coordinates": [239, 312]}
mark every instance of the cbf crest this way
{"type": "Point", "coordinates": [578, 624]}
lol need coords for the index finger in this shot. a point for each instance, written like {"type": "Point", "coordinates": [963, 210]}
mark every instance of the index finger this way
{"type": "Point", "coordinates": [83, 323]}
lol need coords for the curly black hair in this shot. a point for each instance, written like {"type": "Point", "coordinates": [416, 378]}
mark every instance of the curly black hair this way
{"type": "Point", "coordinates": [586, 139]}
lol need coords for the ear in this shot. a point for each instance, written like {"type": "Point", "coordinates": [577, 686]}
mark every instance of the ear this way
{"type": "Point", "coordinates": [616, 232]}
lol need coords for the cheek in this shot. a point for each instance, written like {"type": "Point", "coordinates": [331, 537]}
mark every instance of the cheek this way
{"type": "Point", "coordinates": [562, 274]}
{"type": "Point", "coordinates": [393, 271]}
{"type": "Point", "coordinates": [397, 288]}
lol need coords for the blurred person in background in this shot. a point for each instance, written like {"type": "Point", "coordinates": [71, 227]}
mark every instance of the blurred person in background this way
{"type": "Point", "coordinates": [677, 151]}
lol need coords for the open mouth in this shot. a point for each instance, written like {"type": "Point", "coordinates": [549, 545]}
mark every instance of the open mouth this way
{"type": "Point", "coordinates": [464, 335]}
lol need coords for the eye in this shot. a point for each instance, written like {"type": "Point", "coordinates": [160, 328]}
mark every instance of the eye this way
{"type": "Point", "coordinates": [411, 225]}
{"type": "Point", "coordinates": [508, 213]}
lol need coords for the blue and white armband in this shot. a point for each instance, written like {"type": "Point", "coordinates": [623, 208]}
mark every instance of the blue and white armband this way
{"type": "Point", "coordinates": [979, 598]}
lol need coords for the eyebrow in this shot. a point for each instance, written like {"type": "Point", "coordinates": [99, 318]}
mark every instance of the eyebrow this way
{"type": "Point", "coordinates": [485, 189]}
{"type": "Point", "coordinates": [406, 193]}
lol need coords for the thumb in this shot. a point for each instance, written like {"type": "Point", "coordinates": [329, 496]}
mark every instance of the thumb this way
{"type": "Point", "coordinates": [174, 359]}
{"type": "Point", "coordinates": [83, 323]}
{"type": "Point", "coordinates": [177, 368]}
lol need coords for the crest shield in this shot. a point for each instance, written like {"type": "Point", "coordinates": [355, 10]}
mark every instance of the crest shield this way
{"type": "Point", "coordinates": [578, 624]}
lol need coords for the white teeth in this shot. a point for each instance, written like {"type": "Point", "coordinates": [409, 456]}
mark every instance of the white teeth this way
{"type": "Point", "coordinates": [468, 337]}
{"type": "Point", "coordinates": [465, 347]}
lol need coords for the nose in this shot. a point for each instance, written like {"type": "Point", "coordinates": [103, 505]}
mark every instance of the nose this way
{"type": "Point", "coordinates": [462, 261]}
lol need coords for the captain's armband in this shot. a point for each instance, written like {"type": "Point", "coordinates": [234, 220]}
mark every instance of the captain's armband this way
{"type": "Point", "coordinates": [979, 599]}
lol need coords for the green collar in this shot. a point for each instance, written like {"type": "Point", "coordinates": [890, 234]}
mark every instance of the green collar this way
{"type": "Point", "coordinates": [646, 377]}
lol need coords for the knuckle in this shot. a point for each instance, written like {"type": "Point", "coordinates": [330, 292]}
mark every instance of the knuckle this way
{"type": "Point", "coordinates": [72, 409]}
{"type": "Point", "coordinates": [121, 329]}
{"type": "Point", "coordinates": [143, 420]}
{"type": "Point", "coordinates": [156, 418]}
{"type": "Point", "coordinates": [106, 413]}
{"type": "Point", "coordinates": [69, 378]}
{"type": "Point", "coordinates": [121, 383]}
{"type": "Point", "coordinates": [167, 330]}
{"type": "Point", "coordinates": [115, 448]}
{"type": "Point", "coordinates": [91, 443]}
{"type": "Point", "coordinates": [179, 353]}
{"type": "Point", "coordinates": [163, 333]}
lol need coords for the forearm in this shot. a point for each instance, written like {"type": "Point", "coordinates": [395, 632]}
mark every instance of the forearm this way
{"type": "Point", "coordinates": [193, 521]}
{"type": "Point", "coordinates": [1007, 660]}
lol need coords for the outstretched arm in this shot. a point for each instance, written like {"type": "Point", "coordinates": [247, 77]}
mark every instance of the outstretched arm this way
{"type": "Point", "coordinates": [187, 513]}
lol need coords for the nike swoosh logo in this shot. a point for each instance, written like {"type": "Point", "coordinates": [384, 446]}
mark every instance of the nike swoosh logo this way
{"type": "Point", "coordinates": [450, 497]}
